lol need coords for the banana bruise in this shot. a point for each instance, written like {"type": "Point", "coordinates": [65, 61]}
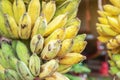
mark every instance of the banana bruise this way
{"type": "Point", "coordinates": [34, 64]}
{"type": "Point", "coordinates": [18, 9]}
{"type": "Point", "coordinates": [25, 26]}
{"type": "Point", "coordinates": [11, 75]}
{"type": "Point", "coordinates": [22, 52]}
{"type": "Point", "coordinates": [23, 71]}
{"type": "Point", "coordinates": [48, 68]}
{"type": "Point", "coordinates": [34, 10]}
{"type": "Point", "coordinates": [51, 49]}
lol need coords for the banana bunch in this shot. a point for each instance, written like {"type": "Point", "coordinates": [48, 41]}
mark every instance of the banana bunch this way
{"type": "Point", "coordinates": [43, 40]}
{"type": "Point", "coordinates": [108, 29]}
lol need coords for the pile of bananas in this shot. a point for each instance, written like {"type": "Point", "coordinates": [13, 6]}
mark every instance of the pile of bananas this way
{"type": "Point", "coordinates": [42, 39]}
{"type": "Point", "coordinates": [108, 29]}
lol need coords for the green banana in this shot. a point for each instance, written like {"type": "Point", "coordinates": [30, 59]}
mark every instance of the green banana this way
{"type": "Point", "coordinates": [34, 64]}
{"type": "Point", "coordinates": [22, 52]}
{"type": "Point", "coordinates": [25, 26]}
{"type": "Point", "coordinates": [48, 68]}
{"type": "Point", "coordinates": [18, 9]}
{"type": "Point", "coordinates": [23, 71]}
{"type": "Point", "coordinates": [2, 75]}
{"type": "Point", "coordinates": [36, 44]}
{"type": "Point", "coordinates": [113, 70]}
{"type": "Point", "coordinates": [51, 49]}
{"type": "Point", "coordinates": [63, 67]}
{"type": "Point", "coordinates": [40, 26]}
{"type": "Point", "coordinates": [11, 75]}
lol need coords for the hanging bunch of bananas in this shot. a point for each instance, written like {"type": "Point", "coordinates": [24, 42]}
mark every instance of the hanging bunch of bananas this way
{"type": "Point", "coordinates": [108, 29]}
{"type": "Point", "coordinates": [50, 29]}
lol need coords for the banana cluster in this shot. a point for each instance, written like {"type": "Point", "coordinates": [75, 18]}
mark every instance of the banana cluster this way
{"type": "Point", "coordinates": [44, 42]}
{"type": "Point", "coordinates": [108, 29]}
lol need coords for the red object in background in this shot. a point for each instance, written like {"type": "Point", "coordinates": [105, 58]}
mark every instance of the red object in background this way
{"type": "Point", "coordinates": [104, 69]}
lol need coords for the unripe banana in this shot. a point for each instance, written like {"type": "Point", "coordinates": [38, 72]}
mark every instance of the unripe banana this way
{"type": "Point", "coordinates": [66, 47]}
{"type": "Point", "coordinates": [34, 64]}
{"type": "Point", "coordinates": [57, 76]}
{"type": "Point", "coordinates": [66, 70]}
{"type": "Point", "coordinates": [2, 75]}
{"type": "Point", "coordinates": [115, 3]}
{"type": "Point", "coordinates": [56, 23]}
{"type": "Point", "coordinates": [6, 7]}
{"type": "Point", "coordinates": [40, 26]}
{"type": "Point", "coordinates": [22, 52]}
{"type": "Point", "coordinates": [11, 26]}
{"type": "Point", "coordinates": [113, 70]}
{"type": "Point", "coordinates": [63, 67]}
{"type": "Point", "coordinates": [57, 34]}
{"type": "Point", "coordinates": [36, 44]}
{"type": "Point", "coordinates": [34, 10]}
{"type": "Point", "coordinates": [118, 63]}
{"type": "Point", "coordinates": [49, 10]}
{"type": "Point", "coordinates": [23, 71]}
{"type": "Point", "coordinates": [72, 58]}
{"type": "Point", "coordinates": [51, 49]}
{"type": "Point", "coordinates": [25, 26]}
{"type": "Point", "coordinates": [19, 9]}
{"type": "Point", "coordinates": [11, 75]}
{"type": "Point", "coordinates": [116, 57]}
{"type": "Point", "coordinates": [112, 63]}
{"type": "Point", "coordinates": [48, 68]}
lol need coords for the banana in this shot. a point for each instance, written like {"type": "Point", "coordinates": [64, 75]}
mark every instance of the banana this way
{"type": "Point", "coordinates": [102, 20]}
{"type": "Point", "coordinates": [72, 58]}
{"type": "Point", "coordinates": [49, 10]}
{"type": "Point", "coordinates": [103, 13]}
{"type": "Point", "coordinates": [73, 15]}
{"type": "Point", "coordinates": [34, 64]}
{"type": "Point", "coordinates": [11, 75]}
{"type": "Point", "coordinates": [115, 3]}
{"type": "Point", "coordinates": [18, 9]}
{"type": "Point", "coordinates": [57, 76]}
{"type": "Point", "coordinates": [51, 49]}
{"type": "Point", "coordinates": [66, 70]}
{"type": "Point", "coordinates": [48, 68]}
{"type": "Point", "coordinates": [43, 4]}
{"type": "Point", "coordinates": [36, 44]}
{"type": "Point", "coordinates": [22, 52]}
{"type": "Point", "coordinates": [34, 10]}
{"type": "Point", "coordinates": [104, 39]}
{"type": "Point", "coordinates": [11, 26]}
{"type": "Point", "coordinates": [57, 34]}
{"type": "Point", "coordinates": [111, 9]}
{"type": "Point", "coordinates": [6, 7]}
{"type": "Point", "coordinates": [40, 26]}
{"type": "Point", "coordinates": [113, 70]}
{"type": "Point", "coordinates": [23, 71]}
{"type": "Point", "coordinates": [117, 38]}
{"type": "Point", "coordinates": [116, 57]}
{"type": "Point", "coordinates": [66, 47]}
{"type": "Point", "coordinates": [63, 67]}
{"type": "Point", "coordinates": [56, 23]}
{"type": "Point", "coordinates": [118, 63]}
{"type": "Point", "coordinates": [25, 26]}
{"type": "Point", "coordinates": [2, 75]}
{"type": "Point", "coordinates": [112, 63]}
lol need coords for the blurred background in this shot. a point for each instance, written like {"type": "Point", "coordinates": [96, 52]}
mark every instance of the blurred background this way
{"type": "Point", "coordinates": [96, 66]}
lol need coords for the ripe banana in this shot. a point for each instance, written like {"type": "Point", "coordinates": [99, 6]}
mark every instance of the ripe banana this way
{"type": "Point", "coordinates": [63, 67]}
{"type": "Point", "coordinates": [11, 75]}
{"type": "Point", "coordinates": [34, 64]}
{"type": "Point", "coordinates": [103, 20]}
{"type": "Point", "coordinates": [103, 13]}
{"type": "Point", "coordinates": [18, 9]}
{"type": "Point", "coordinates": [115, 3]}
{"type": "Point", "coordinates": [23, 71]}
{"type": "Point", "coordinates": [34, 10]}
{"type": "Point", "coordinates": [51, 49]}
{"type": "Point", "coordinates": [40, 26]}
{"type": "Point", "coordinates": [36, 44]}
{"type": "Point", "coordinates": [104, 39]}
{"type": "Point", "coordinates": [57, 22]}
{"type": "Point", "coordinates": [48, 68]}
{"type": "Point", "coordinates": [25, 26]}
{"type": "Point", "coordinates": [22, 52]}
{"type": "Point", "coordinates": [49, 10]}
{"type": "Point", "coordinates": [72, 58]}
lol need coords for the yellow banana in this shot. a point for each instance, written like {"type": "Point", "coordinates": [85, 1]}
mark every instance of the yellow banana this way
{"type": "Point", "coordinates": [57, 76]}
{"type": "Point", "coordinates": [49, 10]}
{"type": "Point", "coordinates": [103, 13]}
{"type": "Point", "coordinates": [112, 63]}
{"type": "Point", "coordinates": [18, 9]}
{"type": "Point", "coordinates": [66, 47]}
{"type": "Point", "coordinates": [102, 20]}
{"type": "Point", "coordinates": [115, 3]}
{"type": "Point", "coordinates": [104, 39]}
{"type": "Point", "coordinates": [6, 7]}
{"type": "Point", "coordinates": [34, 10]}
{"type": "Point", "coordinates": [63, 67]}
{"type": "Point", "coordinates": [111, 9]}
{"type": "Point", "coordinates": [57, 34]}
{"type": "Point", "coordinates": [51, 49]}
{"type": "Point", "coordinates": [43, 4]}
{"type": "Point", "coordinates": [72, 58]}
{"type": "Point", "coordinates": [73, 15]}
{"type": "Point", "coordinates": [118, 19]}
{"type": "Point", "coordinates": [11, 26]}
{"type": "Point", "coordinates": [25, 26]}
{"type": "Point", "coordinates": [48, 68]}
{"type": "Point", "coordinates": [118, 38]}
{"type": "Point", "coordinates": [56, 23]}
{"type": "Point", "coordinates": [40, 26]}
{"type": "Point", "coordinates": [36, 44]}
